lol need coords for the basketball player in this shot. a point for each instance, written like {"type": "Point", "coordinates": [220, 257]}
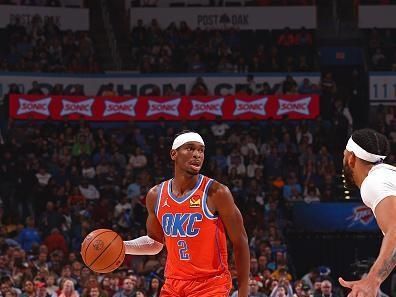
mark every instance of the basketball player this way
{"type": "Point", "coordinates": [364, 168]}
{"type": "Point", "coordinates": [191, 214]}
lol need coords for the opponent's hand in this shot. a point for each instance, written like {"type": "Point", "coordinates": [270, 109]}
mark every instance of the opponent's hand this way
{"type": "Point", "coordinates": [365, 287]}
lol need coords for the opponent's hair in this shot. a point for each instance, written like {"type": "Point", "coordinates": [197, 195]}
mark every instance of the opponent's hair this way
{"type": "Point", "coordinates": [372, 141]}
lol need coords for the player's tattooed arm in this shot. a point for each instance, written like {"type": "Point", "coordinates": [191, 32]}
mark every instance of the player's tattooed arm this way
{"type": "Point", "coordinates": [388, 266]}
{"type": "Point", "coordinates": [386, 260]}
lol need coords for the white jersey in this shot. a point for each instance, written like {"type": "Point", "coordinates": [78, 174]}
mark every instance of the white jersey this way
{"type": "Point", "coordinates": [379, 184]}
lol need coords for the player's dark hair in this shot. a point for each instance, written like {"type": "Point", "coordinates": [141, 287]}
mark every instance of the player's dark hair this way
{"type": "Point", "coordinates": [372, 141]}
{"type": "Point", "coordinates": [183, 132]}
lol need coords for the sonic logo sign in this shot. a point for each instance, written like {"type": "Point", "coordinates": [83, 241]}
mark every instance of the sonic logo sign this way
{"type": "Point", "coordinates": [212, 107]}
{"type": "Point", "coordinates": [125, 107]}
{"type": "Point", "coordinates": [296, 107]}
{"type": "Point", "coordinates": [170, 107]}
{"type": "Point", "coordinates": [361, 214]}
{"type": "Point", "coordinates": [299, 106]}
{"type": "Point", "coordinates": [81, 107]}
{"type": "Point", "coordinates": [38, 106]}
{"type": "Point", "coordinates": [255, 107]}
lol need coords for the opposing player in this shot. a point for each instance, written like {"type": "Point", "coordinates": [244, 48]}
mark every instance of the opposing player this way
{"type": "Point", "coordinates": [191, 214]}
{"type": "Point", "coordinates": [364, 168]}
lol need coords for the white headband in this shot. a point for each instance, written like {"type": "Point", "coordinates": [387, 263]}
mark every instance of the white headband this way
{"type": "Point", "coordinates": [186, 137]}
{"type": "Point", "coordinates": [362, 153]}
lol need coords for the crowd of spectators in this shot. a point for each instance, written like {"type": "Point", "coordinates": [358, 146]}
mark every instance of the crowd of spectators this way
{"type": "Point", "coordinates": [381, 48]}
{"type": "Point", "coordinates": [179, 48]}
{"type": "Point", "coordinates": [383, 119]}
{"type": "Point", "coordinates": [60, 181]}
{"type": "Point", "coordinates": [40, 46]}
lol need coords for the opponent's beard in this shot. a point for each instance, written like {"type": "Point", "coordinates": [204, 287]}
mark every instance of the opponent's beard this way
{"type": "Point", "coordinates": [348, 176]}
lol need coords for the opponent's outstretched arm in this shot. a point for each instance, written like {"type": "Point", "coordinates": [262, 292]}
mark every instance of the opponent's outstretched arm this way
{"type": "Point", "coordinates": [386, 260]}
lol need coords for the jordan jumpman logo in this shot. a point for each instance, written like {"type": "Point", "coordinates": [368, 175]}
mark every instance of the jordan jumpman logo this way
{"type": "Point", "coordinates": [165, 203]}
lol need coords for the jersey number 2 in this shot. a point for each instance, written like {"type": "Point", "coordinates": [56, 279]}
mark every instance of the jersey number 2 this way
{"type": "Point", "coordinates": [183, 248]}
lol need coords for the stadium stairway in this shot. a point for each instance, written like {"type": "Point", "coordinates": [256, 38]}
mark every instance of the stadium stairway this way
{"type": "Point", "coordinates": [101, 42]}
{"type": "Point", "coordinates": [121, 26]}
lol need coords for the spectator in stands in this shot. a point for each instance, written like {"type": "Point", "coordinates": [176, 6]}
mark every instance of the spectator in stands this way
{"type": "Point", "coordinates": [311, 193]}
{"type": "Point", "coordinates": [35, 90]}
{"type": "Point", "coordinates": [52, 288]}
{"type": "Point", "coordinates": [138, 160]}
{"type": "Point", "coordinates": [77, 90]}
{"type": "Point", "coordinates": [29, 289]}
{"type": "Point", "coordinates": [265, 89]}
{"type": "Point", "coordinates": [303, 38]}
{"type": "Point", "coordinates": [300, 289]}
{"type": "Point", "coordinates": [254, 287]}
{"type": "Point", "coordinates": [29, 235]}
{"type": "Point", "coordinates": [109, 91]}
{"type": "Point", "coordinates": [50, 219]}
{"type": "Point", "coordinates": [68, 289]}
{"type": "Point", "coordinates": [310, 278]}
{"type": "Point", "coordinates": [326, 290]}
{"type": "Point", "coordinates": [378, 59]}
{"type": "Point", "coordinates": [252, 85]}
{"type": "Point", "coordinates": [88, 190]}
{"type": "Point", "coordinates": [57, 90]}
{"type": "Point", "coordinates": [155, 287]}
{"type": "Point", "coordinates": [281, 291]}
{"type": "Point", "coordinates": [43, 176]}
{"type": "Point", "coordinates": [292, 190]}
{"type": "Point", "coordinates": [199, 88]}
{"type": "Point", "coordinates": [82, 146]}
{"type": "Point", "coordinates": [306, 87]}
{"type": "Point", "coordinates": [328, 85]}
{"type": "Point", "coordinates": [195, 64]}
{"type": "Point", "coordinates": [220, 128]}
{"type": "Point", "coordinates": [128, 289]}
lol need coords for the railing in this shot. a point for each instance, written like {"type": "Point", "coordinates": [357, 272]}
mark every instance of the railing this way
{"type": "Point", "coordinates": [167, 3]}
{"type": "Point", "coordinates": [111, 36]}
{"type": "Point", "coordinates": [72, 3]}
{"type": "Point", "coordinates": [63, 3]}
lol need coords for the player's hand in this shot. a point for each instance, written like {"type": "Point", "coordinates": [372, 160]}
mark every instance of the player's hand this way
{"type": "Point", "coordinates": [366, 287]}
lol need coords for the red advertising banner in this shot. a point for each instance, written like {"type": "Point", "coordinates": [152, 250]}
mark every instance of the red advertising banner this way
{"type": "Point", "coordinates": [25, 107]}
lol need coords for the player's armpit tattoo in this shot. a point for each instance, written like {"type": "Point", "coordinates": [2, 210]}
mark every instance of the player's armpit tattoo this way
{"type": "Point", "coordinates": [388, 266]}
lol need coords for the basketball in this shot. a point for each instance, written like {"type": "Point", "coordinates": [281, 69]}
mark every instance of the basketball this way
{"type": "Point", "coordinates": [103, 250]}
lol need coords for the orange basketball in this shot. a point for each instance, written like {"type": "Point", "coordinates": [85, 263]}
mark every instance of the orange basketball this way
{"type": "Point", "coordinates": [103, 250]}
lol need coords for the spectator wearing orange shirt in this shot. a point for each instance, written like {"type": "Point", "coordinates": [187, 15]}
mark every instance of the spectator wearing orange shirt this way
{"type": "Point", "coordinates": [286, 39]}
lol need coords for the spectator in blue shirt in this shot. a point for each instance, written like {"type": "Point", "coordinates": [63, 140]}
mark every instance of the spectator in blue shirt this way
{"type": "Point", "coordinates": [292, 190]}
{"type": "Point", "coordinates": [29, 235]}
